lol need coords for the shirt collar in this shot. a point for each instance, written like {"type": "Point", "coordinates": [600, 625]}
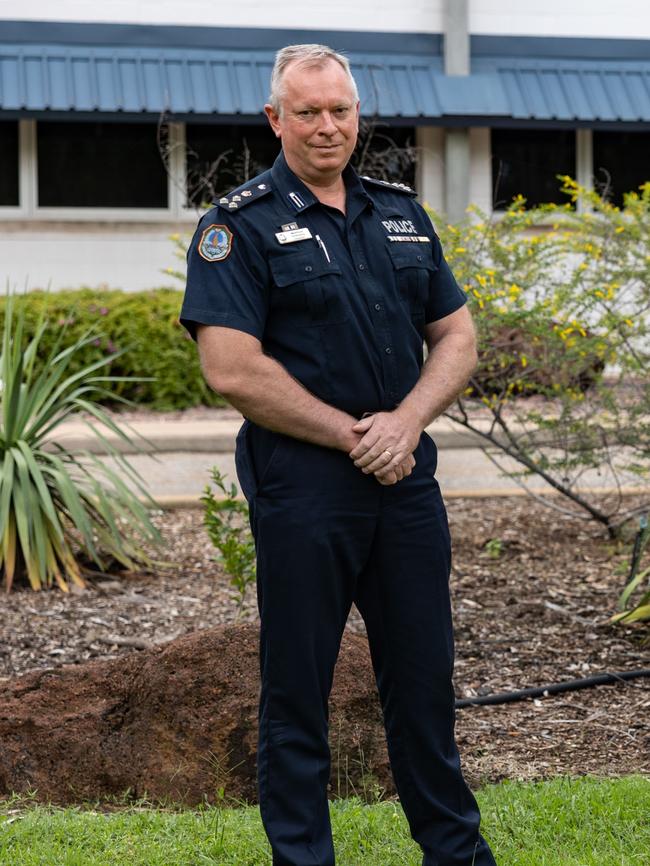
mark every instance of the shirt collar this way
{"type": "Point", "coordinates": [357, 196]}
{"type": "Point", "coordinates": [299, 197]}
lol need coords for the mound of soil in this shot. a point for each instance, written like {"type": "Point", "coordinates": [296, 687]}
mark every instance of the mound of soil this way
{"type": "Point", "coordinates": [176, 723]}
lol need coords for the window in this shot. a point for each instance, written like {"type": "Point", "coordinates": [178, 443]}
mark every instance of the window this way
{"type": "Point", "coordinates": [621, 162]}
{"type": "Point", "coordinates": [527, 162]}
{"type": "Point", "coordinates": [386, 152]}
{"type": "Point", "coordinates": [100, 165]}
{"type": "Point", "coordinates": [220, 158]}
{"type": "Point", "coordinates": [9, 163]}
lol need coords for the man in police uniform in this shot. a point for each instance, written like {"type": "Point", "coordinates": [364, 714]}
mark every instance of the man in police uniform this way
{"type": "Point", "coordinates": [310, 292]}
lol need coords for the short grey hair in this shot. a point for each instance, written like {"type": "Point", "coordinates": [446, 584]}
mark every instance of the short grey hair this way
{"type": "Point", "coordinates": [310, 55]}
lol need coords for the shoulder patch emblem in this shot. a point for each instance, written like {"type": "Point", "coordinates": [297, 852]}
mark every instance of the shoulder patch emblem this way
{"type": "Point", "coordinates": [215, 243]}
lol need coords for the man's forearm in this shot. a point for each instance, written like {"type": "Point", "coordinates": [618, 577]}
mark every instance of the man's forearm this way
{"type": "Point", "coordinates": [267, 394]}
{"type": "Point", "coordinates": [444, 374]}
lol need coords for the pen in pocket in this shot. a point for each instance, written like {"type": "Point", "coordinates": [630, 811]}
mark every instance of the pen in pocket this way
{"type": "Point", "coordinates": [323, 247]}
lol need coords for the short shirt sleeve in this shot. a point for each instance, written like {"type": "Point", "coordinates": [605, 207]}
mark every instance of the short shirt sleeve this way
{"type": "Point", "coordinates": [227, 280]}
{"type": "Point", "coordinates": [445, 295]}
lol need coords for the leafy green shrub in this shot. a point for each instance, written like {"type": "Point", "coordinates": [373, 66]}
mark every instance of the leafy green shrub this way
{"type": "Point", "coordinates": [56, 508]}
{"type": "Point", "coordinates": [139, 335]}
{"type": "Point", "coordinates": [226, 520]}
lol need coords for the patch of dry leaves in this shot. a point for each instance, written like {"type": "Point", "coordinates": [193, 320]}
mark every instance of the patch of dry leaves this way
{"type": "Point", "coordinates": [535, 614]}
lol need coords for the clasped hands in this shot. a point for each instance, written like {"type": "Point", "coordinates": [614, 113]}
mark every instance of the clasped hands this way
{"type": "Point", "coordinates": [388, 440]}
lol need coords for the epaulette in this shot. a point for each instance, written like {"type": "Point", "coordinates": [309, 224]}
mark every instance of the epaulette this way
{"type": "Point", "coordinates": [386, 184]}
{"type": "Point", "coordinates": [243, 195]}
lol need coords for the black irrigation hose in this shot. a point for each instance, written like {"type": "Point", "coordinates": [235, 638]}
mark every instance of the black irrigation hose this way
{"type": "Point", "coordinates": [553, 688]}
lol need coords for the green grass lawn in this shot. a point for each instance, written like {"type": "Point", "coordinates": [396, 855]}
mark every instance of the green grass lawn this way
{"type": "Point", "coordinates": [580, 822]}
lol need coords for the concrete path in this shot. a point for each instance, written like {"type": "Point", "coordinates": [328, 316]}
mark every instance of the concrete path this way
{"type": "Point", "coordinates": [214, 436]}
{"type": "Point", "coordinates": [182, 453]}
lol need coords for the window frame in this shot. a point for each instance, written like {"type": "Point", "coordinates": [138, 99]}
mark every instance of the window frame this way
{"type": "Point", "coordinates": [26, 144]}
{"type": "Point", "coordinates": [176, 211]}
{"type": "Point", "coordinates": [583, 171]}
{"type": "Point", "coordinates": [579, 169]}
{"type": "Point", "coordinates": [592, 176]}
{"type": "Point", "coordinates": [29, 209]}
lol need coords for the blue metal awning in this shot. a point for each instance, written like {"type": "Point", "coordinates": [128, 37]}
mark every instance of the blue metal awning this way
{"type": "Point", "coordinates": [186, 81]}
{"type": "Point", "coordinates": [572, 90]}
{"type": "Point", "coordinates": [40, 79]}
{"type": "Point", "coordinates": [37, 78]}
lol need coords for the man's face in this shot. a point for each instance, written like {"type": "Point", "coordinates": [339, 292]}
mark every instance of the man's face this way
{"type": "Point", "coordinates": [319, 120]}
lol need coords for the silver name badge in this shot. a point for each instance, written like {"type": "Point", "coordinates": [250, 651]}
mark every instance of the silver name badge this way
{"type": "Point", "coordinates": [418, 239]}
{"type": "Point", "coordinates": [293, 235]}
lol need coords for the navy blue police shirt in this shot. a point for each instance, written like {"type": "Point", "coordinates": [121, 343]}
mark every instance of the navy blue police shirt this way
{"type": "Point", "coordinates": [339, 300]}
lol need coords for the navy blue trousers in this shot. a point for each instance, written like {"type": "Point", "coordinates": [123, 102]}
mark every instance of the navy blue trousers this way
{"type": "Point", "coordinates": [327, 536]}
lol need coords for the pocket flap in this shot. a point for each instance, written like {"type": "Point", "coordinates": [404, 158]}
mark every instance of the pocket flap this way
{"type": "Point", "coordinates": [411, 256]}
{"type": "Point", "coordinates": [291, 267]}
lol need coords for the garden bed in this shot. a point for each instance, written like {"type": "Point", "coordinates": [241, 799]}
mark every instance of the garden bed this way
{"type": "Point", "coordinates": [534, 614]}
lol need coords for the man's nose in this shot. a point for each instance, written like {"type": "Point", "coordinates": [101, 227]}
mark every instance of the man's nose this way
{"type": "Point", "coordinates": [327, 125]}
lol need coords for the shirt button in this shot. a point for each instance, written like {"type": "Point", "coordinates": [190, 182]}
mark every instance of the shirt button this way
{"type": "Point", "coordinates": [377, 306]}
{"type": "Point", "coordinates": [362, 267]}
{"type": "Point", "coordinates": [388, 350]}
{"type": "Point", "coordinates": [419, 258]}
{"type": "Point", "coordinates": [308, 268]}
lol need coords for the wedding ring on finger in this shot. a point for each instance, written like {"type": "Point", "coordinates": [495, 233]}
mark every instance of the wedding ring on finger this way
{"type": "Point", "coordinates": [390, 454]}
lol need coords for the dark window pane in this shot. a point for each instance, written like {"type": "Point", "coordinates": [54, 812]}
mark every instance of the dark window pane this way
{"type": "Point", "coordinates": [220, 158]}
{"type": "Point", "coordinates": [9, 162]}
{"type": "Point", "coordinates": [100, 165]}
{"type": "Point", "coordinates": [527, 162]}
{"type": "Point", "coordinates": [386, 152]}
{"type": "Point", "coordinates": [621, 162]}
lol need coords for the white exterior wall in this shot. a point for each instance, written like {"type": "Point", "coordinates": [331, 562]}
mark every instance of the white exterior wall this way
{"type": "Point", "coordinates": [430, 174]}
{"type": "Point", "coordinates": [430, 177]}
{"type": "Point", "coordinates": [480, 176]}
{"type": "Point", "coordinates": [594, 18]}
{"type": "Point", "coordinates": [623, 19]}
{"type": "Point", "coordinates": [67, 256]}
{"type": "Point", "coordinates": [413, 16]}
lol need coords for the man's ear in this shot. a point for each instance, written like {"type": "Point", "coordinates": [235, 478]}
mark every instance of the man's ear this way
{"type": "Point", "coordinates": [273, 118]}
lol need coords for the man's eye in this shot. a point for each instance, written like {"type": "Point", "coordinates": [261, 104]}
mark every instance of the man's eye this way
{"type": "Point", "coordinates": [307, 112]}
{"type": "Point", "coordinates": [342, 110]}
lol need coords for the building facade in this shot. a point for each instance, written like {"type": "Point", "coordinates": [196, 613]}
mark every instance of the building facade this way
{"type": "Point", "coordinates": [119, 120]}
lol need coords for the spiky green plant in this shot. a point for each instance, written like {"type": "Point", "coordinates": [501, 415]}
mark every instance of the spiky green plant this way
{"type": "Point", "coordinates": [58, 507]}
{"type": "Point", "coordinates": [638, 610]}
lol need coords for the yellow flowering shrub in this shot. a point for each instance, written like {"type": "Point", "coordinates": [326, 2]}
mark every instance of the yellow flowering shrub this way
{"type": "Point", "coordinates": [560, 296]}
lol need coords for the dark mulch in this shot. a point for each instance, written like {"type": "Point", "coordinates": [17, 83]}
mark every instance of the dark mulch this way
{"type": "Point", "coordinates": [536, 613]}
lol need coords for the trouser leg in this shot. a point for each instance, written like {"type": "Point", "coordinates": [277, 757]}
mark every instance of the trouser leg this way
{"type": "Point", "coordinates": [403, 597]}
{"type": "Point", "coordinates": [313, 534]}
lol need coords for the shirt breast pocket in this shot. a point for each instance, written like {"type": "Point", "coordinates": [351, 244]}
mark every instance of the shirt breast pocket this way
{"type": "Point", "coordinates": [309, 288]}
{"type": "Point", "coordinates": [413, 266]}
